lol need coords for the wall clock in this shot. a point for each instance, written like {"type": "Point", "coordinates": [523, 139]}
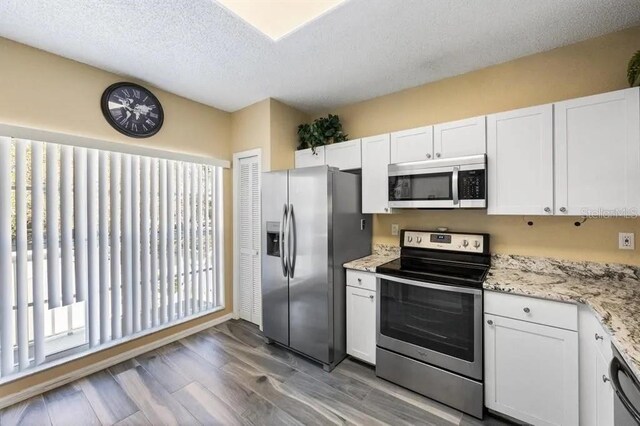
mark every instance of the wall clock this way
{"type": "Point", "coordinates": [132, 110]}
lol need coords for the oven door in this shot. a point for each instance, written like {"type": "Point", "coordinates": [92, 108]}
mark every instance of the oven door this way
{"type": "Point", "coordinates": [429, 188]}
{"type": "Point", "coordinates": [434, 323]}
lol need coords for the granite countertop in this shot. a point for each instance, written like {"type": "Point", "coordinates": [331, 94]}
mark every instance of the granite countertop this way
{"type": "Point", "coordinates": [382, 253]}
{"type": "Point", "coordinates": [612, 291]}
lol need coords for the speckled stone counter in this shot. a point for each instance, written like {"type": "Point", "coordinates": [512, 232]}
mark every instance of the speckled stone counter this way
{"type": "Point", "coordinates": [382, 253]}
{"type": "Point", "coordinates": [611, 290]}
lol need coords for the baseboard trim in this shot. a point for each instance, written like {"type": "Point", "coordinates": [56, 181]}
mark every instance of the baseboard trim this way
{"type": "Point", "coordinates": [40, 388]}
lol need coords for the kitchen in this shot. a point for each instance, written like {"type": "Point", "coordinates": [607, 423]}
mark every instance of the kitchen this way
{"type": "Point", "coordinates": [465, 255]}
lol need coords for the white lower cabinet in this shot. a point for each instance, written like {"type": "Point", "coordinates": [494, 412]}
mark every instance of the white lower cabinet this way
{"type": "Point", "coordinates": [604, 392]}
{"type": "Point", "coordinates": [596, 392]}
{"type": "Point", "coordinates": [361, 323]}
{"type": "Point", "coordinates": [531, 369]}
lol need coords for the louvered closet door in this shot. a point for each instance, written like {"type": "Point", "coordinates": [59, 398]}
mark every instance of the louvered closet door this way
{"type": "Point", "coordinates": [249, 240]}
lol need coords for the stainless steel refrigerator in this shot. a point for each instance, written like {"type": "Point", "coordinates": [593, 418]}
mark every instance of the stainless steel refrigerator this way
{"type": "Point", "coordinates": [312, 223]}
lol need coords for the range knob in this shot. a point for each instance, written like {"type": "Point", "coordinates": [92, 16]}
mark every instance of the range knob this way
{"type": "Point", "coordinates": [465, 243]}
{"type": "Point", "coordinates": [476, 243]}
{"type": "Point", "coordinates": [409, 238]}
{"type": "Point", "coordinates": [418, 240]}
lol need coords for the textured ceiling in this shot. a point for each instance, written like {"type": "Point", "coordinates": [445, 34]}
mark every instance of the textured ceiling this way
{"type": "Point", "coordinates": [359, 50]}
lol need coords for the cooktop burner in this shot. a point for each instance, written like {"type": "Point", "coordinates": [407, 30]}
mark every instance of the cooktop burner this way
{"type": "Point", "coordinates": [441, 257]}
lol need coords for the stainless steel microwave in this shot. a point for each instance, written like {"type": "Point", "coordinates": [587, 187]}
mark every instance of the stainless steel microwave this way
{"type": "Point", "coordinates": [439, 184]}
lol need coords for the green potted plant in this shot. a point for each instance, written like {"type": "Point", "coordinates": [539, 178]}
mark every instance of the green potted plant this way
{"type": "Point", "coordinates": [323, 131]}
{"type": "Point", "coordinates": [633, 70]}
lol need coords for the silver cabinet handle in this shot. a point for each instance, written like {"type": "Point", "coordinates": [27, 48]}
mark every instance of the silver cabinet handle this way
{"type": "Point", "coordinates": [605, 378]}
{"type": "Point", "coordinates": [563, 209]}
{"type": "Point", "coordinates": [599, 337]}
{"type": "Point", "coordinates": [490, 322]}
{"type": "Point", "coordinates": [547, 209]}
{"type": "Point", "coordinates": [526, 310]}
{"type": "Point", "coordinates": [437, 155]}
{"type": "Point", "coordinates": [428, 155]}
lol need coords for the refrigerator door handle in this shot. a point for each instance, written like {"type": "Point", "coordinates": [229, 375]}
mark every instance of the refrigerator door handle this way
{"type": "Point", "coordinates": [292, 249]}
{"type": "Point", "coordinates": [282, 235]}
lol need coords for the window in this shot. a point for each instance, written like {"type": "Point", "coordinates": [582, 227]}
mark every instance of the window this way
{"type": "Point", "coordinates": [97, 246]}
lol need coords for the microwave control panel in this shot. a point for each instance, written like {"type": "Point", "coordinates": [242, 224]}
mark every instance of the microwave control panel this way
{"type": "Point", "coordinates": [471, 184]}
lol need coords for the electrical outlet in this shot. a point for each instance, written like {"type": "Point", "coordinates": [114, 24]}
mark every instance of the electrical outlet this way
{"type": "Point", "coordinates": [626, 241]}
{"type": "Point", "coordinates": [395, 229]}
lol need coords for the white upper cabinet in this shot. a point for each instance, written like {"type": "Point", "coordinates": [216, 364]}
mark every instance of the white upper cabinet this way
{"type": "Point", "coordinates": [306, 157]}
{"type": "Point", "coordinates": [597, 154]}
{"type": "Point", "coordinates": [344, 155]}
{"type": "Point", "coordinates": [375, 174]}
{"type": "Point", "coordinates": [412, 145]}
{"type": "Point", "coordinates": [460, 138]}
{"type": "Point", "coordinates": [520, 161]}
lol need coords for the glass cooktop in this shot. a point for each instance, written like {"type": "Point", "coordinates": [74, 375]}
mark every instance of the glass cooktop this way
{"type": "Point", "coordinates": [436, 271]}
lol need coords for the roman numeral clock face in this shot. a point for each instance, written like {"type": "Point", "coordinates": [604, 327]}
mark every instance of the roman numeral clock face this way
{"type": "Point", "coordinates": [132, 110]}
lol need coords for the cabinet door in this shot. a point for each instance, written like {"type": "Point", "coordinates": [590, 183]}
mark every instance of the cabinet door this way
{"type": "Point", "coordinates": [412, 145]}
{"type": "Point", "coordinates": [306, 157]}
{"type": "Point", "coordinates": [597, 154]}
{"type": "Point", "coordinates": [604, 392]}
{"type": "Point", "coordinates": [344, 155]}
{"type": "Point", "coordinates": [361, 324]}
{"type": "Point", "coordinates": [531, 371]}
{"type": "Point", "coordinates": [520, 161]}
{"type": "Point", "coordinates": [375, 174]}
{"type": "Point", "coordinates": [460, 138]}
{"type": "Point", "coordinates": [596, 393]}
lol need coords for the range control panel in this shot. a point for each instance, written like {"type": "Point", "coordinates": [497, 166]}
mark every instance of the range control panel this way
{"type": "Point", "coordinates": [466, 243]}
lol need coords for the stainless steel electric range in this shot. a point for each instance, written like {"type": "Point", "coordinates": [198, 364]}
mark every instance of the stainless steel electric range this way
{"type": "Point", "coordinates": [429, 317]}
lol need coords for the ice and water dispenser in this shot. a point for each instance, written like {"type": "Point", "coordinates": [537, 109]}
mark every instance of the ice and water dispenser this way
{"type": "Point", "coordinates": [273, 239]}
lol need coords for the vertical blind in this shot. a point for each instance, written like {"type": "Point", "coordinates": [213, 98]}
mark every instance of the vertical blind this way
{"type": "Point", "coordinates": [126, 243]}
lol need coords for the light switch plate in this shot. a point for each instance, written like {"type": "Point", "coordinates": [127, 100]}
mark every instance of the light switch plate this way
{"type": "Point", "coordinates": [626, 241]}
{"type": "Point", "coordinates": [395, 229]}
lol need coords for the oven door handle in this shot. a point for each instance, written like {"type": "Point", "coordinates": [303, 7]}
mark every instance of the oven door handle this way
{"type": "Point", "coordinates": [449, 288]}
{"type": "Point", "coordinates": [454, 186]}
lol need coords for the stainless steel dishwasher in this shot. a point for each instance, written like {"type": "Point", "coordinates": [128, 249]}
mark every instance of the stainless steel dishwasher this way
{"type": "Point", "coordinates": [626, 386]}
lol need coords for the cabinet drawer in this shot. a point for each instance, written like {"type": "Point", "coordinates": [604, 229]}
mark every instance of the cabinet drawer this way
{"type": "Point", "coordinates": [361, 279]}
{"type": "Point", "coordinates": [547, 312]}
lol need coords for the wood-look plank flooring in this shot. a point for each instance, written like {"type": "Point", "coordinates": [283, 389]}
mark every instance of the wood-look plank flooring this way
{"type": "Point", "coordinates": [228, 375]}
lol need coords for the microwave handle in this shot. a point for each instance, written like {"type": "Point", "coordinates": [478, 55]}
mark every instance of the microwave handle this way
{"type": "Point", "coordinates": [454, 184]}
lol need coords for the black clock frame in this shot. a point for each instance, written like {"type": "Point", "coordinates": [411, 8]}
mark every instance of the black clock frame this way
{"type": "Point", "coordinates": [104, 106]}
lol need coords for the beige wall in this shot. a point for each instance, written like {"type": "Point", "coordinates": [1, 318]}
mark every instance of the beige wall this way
{"type": "Point", "coordinates": [284, 134]}
{"type": "Point", "coordinates": [44, 91]}
{"type": "Point", "coordinates": [250, 129]}
{"type": "Point", "coordinates": [271, 126]}
{"type": "Point", "coordinates": [593, 66]}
